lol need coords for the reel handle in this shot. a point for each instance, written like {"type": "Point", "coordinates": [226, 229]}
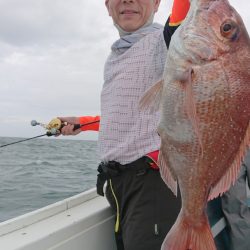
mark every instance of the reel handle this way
{"type": "Point", "coordinates": [34, 123]}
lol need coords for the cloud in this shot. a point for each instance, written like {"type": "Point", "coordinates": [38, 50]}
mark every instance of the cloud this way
{"type": "Point", "coordinates": [29, 22]}
{"type": "Point", "coordinates": [51, 59]}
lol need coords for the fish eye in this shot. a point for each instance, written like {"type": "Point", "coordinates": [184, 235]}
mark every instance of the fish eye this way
{"type": "Point", "coordinates": [229, 29]}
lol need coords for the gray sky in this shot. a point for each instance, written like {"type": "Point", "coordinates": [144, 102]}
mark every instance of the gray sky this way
{"type": "Point", "coordinates": [51, 59]}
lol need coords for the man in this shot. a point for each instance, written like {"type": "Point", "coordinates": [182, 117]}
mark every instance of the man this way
{"type": "Point", "coordinates": [128, 142]}
{"type": "Point", "coordinates": [236, 211]}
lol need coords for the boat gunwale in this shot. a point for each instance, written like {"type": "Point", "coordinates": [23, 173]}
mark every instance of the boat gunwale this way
{"type": "Point", "coordinates": [40, 214]}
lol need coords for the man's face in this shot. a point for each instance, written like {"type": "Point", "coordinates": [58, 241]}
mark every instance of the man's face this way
{"type": "Point", "coordinates": [130, 15]}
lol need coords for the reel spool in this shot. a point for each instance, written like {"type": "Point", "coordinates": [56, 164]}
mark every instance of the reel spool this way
{"type": "Point", "coordinates": [54, 124]}
{"type": "Point", "coordinates": [53, 127]}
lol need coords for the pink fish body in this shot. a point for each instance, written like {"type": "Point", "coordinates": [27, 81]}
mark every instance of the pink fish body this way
{"type": "Point", "coordinates": [205, 113]}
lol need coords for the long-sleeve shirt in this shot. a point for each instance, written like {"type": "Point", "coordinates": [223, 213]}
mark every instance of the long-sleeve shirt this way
{"type": "Point", "coordinates": [126, 133]}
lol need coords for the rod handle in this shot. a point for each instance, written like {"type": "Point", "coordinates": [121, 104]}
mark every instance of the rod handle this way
{"type": "Point", "coordinates": [77, 126]}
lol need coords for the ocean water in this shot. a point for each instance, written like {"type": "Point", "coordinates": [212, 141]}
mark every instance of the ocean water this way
{"type": "Point", "coordinates": [39, 172]}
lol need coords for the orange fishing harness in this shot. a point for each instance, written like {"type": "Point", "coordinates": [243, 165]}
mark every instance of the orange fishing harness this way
{"type": "Point", "coordinates": [154, 157]}
{"type": "Point", "coordinates": [93, 120]}
{"type": "Point", "coordinates": [179, 12]}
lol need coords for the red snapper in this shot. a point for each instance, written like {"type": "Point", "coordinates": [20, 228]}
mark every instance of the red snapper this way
{"type": "Point", "coordinates": [204, 102]}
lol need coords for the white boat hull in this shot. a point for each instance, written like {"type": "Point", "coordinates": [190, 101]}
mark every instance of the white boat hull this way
{"type": "Point", "coordinates": [82, 222]}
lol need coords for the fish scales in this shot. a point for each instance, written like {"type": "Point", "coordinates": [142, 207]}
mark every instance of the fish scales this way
{"type": "Point", "coordinates": [205, 112]}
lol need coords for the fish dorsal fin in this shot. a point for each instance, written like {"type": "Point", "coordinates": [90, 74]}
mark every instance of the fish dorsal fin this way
{"type": "Point", "coordinates": [152, 97]}
{"type": "Point", "coordinates": [232, 173]}
{"type": "Point", "coordinates": [166, 174]}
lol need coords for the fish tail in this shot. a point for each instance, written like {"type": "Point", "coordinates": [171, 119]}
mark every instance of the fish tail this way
{"type": "Point", "coordinates": [185, 236]}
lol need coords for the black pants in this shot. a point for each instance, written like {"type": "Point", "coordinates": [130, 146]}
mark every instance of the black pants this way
{"type": "Point", "coordinates": [147, 209]}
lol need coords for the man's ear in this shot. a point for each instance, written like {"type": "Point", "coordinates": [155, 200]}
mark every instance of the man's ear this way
{"type": "Point", "coordinates": [157, 3]}
{"type": "Point", "coordinates": [107, 5]}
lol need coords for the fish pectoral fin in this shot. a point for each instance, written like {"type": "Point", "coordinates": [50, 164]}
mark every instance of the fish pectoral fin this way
{"type": "Point", "coordinates": [233, 171]}
{"type": "Point", "coordinates": [152, 98]}
{"type": "Point", "coordinates": [166, 174]}
{"type": "Point", "coordinates": [190, 103]}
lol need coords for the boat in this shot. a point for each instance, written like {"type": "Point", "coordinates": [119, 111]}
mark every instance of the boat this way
{"type": "Point", "coordinates": [81, 222]}
{"type": "Point", "coordinates": [84, 221]}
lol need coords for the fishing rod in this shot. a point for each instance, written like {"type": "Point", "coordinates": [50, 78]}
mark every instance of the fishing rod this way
{"type": "Point", "coordinates": [24, 140]}
{"type": "Point", "coordinates": [53, 128]}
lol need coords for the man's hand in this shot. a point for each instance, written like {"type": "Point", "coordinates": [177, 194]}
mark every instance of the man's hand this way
{"type": "Point", "coordinates": [69, 128]}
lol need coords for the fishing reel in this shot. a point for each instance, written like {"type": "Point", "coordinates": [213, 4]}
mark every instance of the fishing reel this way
{"type": "Point", "coordinates": [53, 127]}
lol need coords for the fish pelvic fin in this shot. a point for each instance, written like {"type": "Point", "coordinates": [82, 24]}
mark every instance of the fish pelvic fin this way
{"type": "Point", "coordinates": [186, 236]}
{"type": "Point", "coordinates": [152, 97]}
{"type": "Point", "coordinates": [166, 174]}
{"type": "Point", "coordinates": [191, 106]}
{"type": "Point", "coordinates": [232, 173]}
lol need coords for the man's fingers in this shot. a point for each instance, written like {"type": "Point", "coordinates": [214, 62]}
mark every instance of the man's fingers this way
{"type": "Point", "coordinates": [70, 120]}
{"type": "Point", "coordinates": [68, 130]}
